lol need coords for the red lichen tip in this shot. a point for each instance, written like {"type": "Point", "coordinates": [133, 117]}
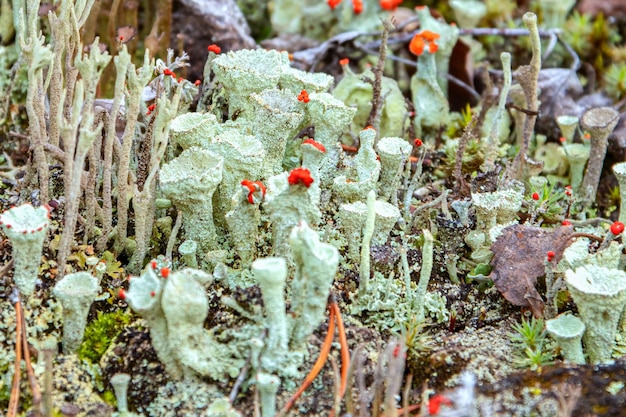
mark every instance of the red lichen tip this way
{"type": "Point", "coordinates": [535, 196]}
{"type": "Point", "coordinates": [617, 228]}
{"type": "Point", "coordinates": [121, 294]}
{"type": "Point", "coordinates": [165, 272]}
{"type": "Point", "coordinates": [168, 71]}
{"type": "Point", "coordinates": [197, 83]}
{"type": "Point", "coordinates": [315, 144]}
{"type": "Point", "coordinates": [418, 142]}
{"type": "Point", "coordinates": [566, 223]}
{"type": "Point", "coordinates": [435, 403]}
{"type": "Point", "coordinates": [300, 176]}
{"type": "Point", "coordinates": [333, 3]}
{"type": "Point", "coordinates": [214, 48]}
{"type": "Point", "coordinates": [344, 61]}
{"type": "Point", "coordinates": [152, 293]}
{"type": "Point", "coordinates": [550, 255]}
{"type": "Point", "coordinates": [421, 39]}
{"type": "Point", "coordinates": [153, 264]}
{"type": "Point", "coordinates": [256, 191]}
{"type": "Point", "coordinates": [390, 5]}
{"type": "Point", "coordinates": [357, 6]}
{"type": "Point", "coordinates": [303, 96]}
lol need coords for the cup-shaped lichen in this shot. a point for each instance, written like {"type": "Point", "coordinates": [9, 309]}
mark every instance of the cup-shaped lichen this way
{"type": "Point", "coordinates": [351, 219]}
{"type": "Point", "coordinates": [600, 294]}
{"type": "Point", "coordinates": [568, 331]}
{"type": "Point", "coordinates": [144, 297]}
{"type": "Point", "coordinates": [468, 12]}
{"type": "Point", "coordinates": [190, 181]}
{"type": "Point", "coordinates": [387, 215]}
{"type": "Point", "coordinates": [316, 265]}
{"type": "Point", "coordinates": [76, 292]}
{"type": "Point", "coordinates": [274, 117]}
{"type": "Point", "coordinates": [289, 202]}
{"type": "Point", "coordinates": [243, 158]}
{"type": "Point", "coordinates": [245, 72]}
{"type": "Point", "coordinates": [486, 206]}
{"type": "Point", "coordinates": [431, 105]}
{"type": "Point", "coordinates": [295, 80]}
{"type": "Point", "coordinates": [267, 385]}
{"type": "Point", "coordinates": [186, 306]}
{"type": "Point", "coordinates": [242, 222]}
{"type": "Point", "coordinates": [26, 227]}
{"type": "Point", "coordinates": [620, 173]}
{"type": "Point", "coordinates": [271, 274]}
{"type": "Point", "coordinates": [577, 155]}
{"type": "Point", "coordinates": [193, 129]}
{"type": "Point", "coordinates": [393, 153]}
{"type": "Point", "coordinates": [187, 250]}
{"type": "Point", "coordinates": [120, 387]}
{"type": "Point", "coordinates": [330, 117]}
{"type": "Point", "coordinates": [599, 122]}
{"type": "Point", "coordinates": [568, 126]}
{"type": "Point", "coordinates": [362, 176]}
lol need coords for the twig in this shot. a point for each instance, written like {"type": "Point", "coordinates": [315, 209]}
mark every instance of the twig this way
{"type": "Point", "coordinates": [377, 102]}
{"type": "Point", "coordinates": [336, 385]}
{"type": "Point", "coordinates": [47, 382]}
{"type": "Point", "coordinates": [405, 396]}
{"type": "Point", "coordinates": [6, 268]}
{"type": "Point", "coordinates": [588, 236]}
{"type": "Point", "coordinates": [173, 234]}
{"type": "Point", "coordinates": [317, 367]}
{"type": "Point", "coordinates": [239, 381]}
{"type": "Point", "coordinates": [460, 185]}
{"type": "Point", "coordinates": [352, 369]}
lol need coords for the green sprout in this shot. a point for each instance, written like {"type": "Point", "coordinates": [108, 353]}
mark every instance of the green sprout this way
{"type": "Point", "coordinates": [528, 339]}
{"type": "Point", "coordinates": [412, 333]}
{"type": "Point", "coordinates": [615, 80]}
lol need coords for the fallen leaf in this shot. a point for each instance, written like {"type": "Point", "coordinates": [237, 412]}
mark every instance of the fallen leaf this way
{"type": "Point", "coordinates": [519, 254]}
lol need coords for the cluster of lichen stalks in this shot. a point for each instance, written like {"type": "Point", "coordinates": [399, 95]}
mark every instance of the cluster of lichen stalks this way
{"type": "Point", "coordinates": [225, 176]}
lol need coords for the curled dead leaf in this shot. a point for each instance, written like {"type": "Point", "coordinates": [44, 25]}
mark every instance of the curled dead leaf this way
{"type": "Point", "coordinates": [519, 254]}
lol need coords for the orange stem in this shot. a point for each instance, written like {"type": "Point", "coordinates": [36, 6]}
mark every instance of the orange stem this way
{"type": "Point", "coordinates": [347, 148]}
{"type": "Point", "coordinates": [408, 409]}
{"type": "Point", "coordinates": [317, 367]}
{"type": "Point", "coordinates": [15, 389]}
{"type": "Point", "coordinates": [345, 353]}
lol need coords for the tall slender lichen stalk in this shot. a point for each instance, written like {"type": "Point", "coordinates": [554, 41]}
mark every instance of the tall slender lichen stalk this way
{"type": "Point", "coordinates": [135, 82]}
{"type": "Point", "coordinates": [492, 149]}
{"type": "Point", "coordinates": [122, 62]}
{"type": "Point", "coordinates": [144, 199]}
{"type": "Point", "coordinates": [37, 56]}
{"type": "Point", "coordinates": [368, 232]}
{"type": "Point", "coordinates": [81, 122]}
{"type": "Point", "coordinates": [425, 272]}
{"type": "Point", "coordinates": [528, 78]}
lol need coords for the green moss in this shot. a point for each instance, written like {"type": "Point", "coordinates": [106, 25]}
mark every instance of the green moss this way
{"type": "Point", "coordinates": [100, 333]}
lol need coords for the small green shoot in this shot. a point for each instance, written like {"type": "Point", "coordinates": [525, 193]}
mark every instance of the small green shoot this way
{"type": "Point", "coordinates": [528, 340]}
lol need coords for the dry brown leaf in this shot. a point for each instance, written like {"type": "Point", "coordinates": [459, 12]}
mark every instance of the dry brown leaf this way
{"type": "Point", "coordinates": [518, 261]}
